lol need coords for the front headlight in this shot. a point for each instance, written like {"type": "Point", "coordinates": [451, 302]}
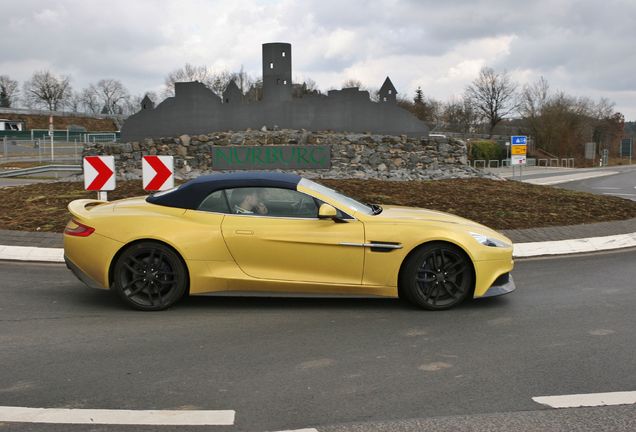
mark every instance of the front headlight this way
{"type": "Point", "coordinates": [489, 241]}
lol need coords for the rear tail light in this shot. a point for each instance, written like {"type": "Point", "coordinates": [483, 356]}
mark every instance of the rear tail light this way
{"type": "Point", "coordinates": [74, 228]}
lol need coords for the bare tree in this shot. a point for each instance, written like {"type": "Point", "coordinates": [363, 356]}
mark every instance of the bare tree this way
{"type": "Point", "coordinates": [311, 86]}
{"type": "Point", "coordinates": [216, 81]}
{"type": "Point", "coordinates": [308, 87]}
{"type": "Point", "coordinates": [8, 91]}
{"type": "Point", "coordinates": [458, 115]}
{"type": "Point", "coordinates": [243, 80]}
{"type": "Point", "coordinates": [90, 101]}
{"type": "Point", "coordinates": [74, 102]}
{"type": "Point", "coordinates": [533, 98]}
{"type": "Point", "coordinates": [255, 92]}
{"type": "Point", "coordinates": [493, 95]}
{"type": "Point", "coordinates": [47, 90]}
{"type": "Point", "coordinates": [352, 82]}
{"type": "Point", "coordinates": [111, 95]}
{"type": "Point", "coordinates": [560, 123]}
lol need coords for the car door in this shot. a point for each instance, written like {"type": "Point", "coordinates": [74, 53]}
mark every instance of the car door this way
{"type": "Point", "coordinates": [290, 243]}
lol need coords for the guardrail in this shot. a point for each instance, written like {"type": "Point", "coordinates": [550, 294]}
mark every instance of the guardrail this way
{"type": "Point", "coordinates": [40, 170]}
{"type": "Point", "coordinates": [530, 162]}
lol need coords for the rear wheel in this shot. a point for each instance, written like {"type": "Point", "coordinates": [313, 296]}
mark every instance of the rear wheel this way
{"type": "Point", "coordinates": [149, 276]}
{"type": "Point", "coordinates": [437, 276]}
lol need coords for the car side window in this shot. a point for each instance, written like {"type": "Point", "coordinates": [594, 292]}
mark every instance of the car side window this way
{"type": "Point", "coordinates": [273, 202]}
{"type": "Point", "coordinates": [215, 202]}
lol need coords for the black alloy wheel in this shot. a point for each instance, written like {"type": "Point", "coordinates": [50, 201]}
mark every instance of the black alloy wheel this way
{"type": "Point", "coordinates": [150, 276]}
{"type": "Point", "coordinates": [437, 276]}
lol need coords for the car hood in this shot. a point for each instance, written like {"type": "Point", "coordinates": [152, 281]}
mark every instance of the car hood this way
{"type": "Point", "coordinates": [412, 214]}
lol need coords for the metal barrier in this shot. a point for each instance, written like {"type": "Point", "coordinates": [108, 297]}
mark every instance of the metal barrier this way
{"type": "Point", "coordinates": [483, 163]}
{"type": "Point", "coordinates": [556, 162]}
{"type": "Point", "coordinates": [41, 169]}
{"type": "Point", "coordinates": [544, 160]}
{"type": "Point", "coordinates": [490, 163]}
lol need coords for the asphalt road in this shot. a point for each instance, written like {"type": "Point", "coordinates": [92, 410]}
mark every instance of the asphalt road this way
{"type": "Point", "coordinates": [622, 184]}
{"type": "Point", "coordinates": [333, 364]}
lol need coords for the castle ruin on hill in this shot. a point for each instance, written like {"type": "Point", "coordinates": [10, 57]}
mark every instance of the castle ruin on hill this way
{"type": "Point", "coordinates": [195, 109]}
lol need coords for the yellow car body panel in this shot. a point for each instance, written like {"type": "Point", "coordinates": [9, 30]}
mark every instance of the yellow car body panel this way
{"type": "Point", "coordinates": [229, 252]}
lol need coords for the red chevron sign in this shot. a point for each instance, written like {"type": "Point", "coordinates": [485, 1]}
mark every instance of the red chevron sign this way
{"type": "Point", "coordinates": [157, 172]}
{"type": "Point", "coordinates": [99, 173]}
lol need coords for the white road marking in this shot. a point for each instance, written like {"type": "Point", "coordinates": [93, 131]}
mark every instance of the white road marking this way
{"type": "Point", "coordinates": [545, 181]}
{"type": "Point", "coordinates": [563, 247]}
{"type": "Point", "coordinates": [27, 253]}
{"type": "Point", "coordinates": [120, 417]}
{"type": "Point", "coordinates": [616, 193]}
{"type": "Point", "coordinates": [588, 400]}
{"type": "Point", "coordinates": [301, 430]}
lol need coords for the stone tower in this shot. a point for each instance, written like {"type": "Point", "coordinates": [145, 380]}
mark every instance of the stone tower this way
{"type": "Point", "coordinates": [277, 73]}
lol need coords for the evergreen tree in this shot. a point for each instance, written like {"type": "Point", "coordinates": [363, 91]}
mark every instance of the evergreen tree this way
{"type": "Point", "coordinates": [419, 96]}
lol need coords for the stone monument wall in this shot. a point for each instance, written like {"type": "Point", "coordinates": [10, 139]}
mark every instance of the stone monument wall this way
{"type": "Point", "coordinates": [363, 156]}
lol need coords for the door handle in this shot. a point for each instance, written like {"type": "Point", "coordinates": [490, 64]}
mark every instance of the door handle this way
{"type": "Point", "coordinates": [244, 232]}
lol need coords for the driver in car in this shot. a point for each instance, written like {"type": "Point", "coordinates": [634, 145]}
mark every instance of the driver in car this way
{"type": "Point", "coordinates": [248, 201]}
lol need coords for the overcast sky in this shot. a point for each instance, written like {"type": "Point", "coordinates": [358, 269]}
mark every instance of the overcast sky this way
{"type": "Point", "coordinates": [585, 48]}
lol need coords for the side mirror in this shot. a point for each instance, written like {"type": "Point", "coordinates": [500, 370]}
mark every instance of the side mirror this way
{"type": "Point", "coordinates": [327, 211]}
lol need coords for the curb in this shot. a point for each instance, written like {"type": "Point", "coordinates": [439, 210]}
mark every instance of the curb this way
{"type": "Point", "coordinates": [521, 250]}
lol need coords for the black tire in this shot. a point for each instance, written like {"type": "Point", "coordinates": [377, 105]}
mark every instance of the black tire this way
{"type": "Point", "coordinates": [150, 276]}
{"type": "Point", "coordinates": [437, 276]}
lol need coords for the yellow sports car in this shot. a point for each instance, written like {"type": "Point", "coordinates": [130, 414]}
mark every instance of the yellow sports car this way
{"type": "Point", "coordinates": [279, 233]}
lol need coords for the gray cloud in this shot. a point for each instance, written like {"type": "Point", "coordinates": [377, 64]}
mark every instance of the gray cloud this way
{"type": "Point", "coordinates": [582, 47]}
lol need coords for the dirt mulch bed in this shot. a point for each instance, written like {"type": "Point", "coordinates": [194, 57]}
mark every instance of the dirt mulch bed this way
{"type": "Point", "coordinates": [498, 204]}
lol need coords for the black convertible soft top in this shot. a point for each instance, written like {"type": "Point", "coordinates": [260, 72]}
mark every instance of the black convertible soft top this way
{"type": "Point", "coordinates": [190, 195]}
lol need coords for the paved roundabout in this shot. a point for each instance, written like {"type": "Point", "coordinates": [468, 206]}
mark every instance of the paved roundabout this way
{"type": "Point", "coordinates": [294, 363]}
{"type": "Point", "coordinates": [563, 339]}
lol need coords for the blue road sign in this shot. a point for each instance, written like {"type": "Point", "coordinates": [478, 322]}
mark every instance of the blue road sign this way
{"type": "Point", "coordinates": [519, 140]}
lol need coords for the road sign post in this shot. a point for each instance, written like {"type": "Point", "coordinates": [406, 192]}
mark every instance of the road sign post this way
{"type": "Point", "coordinates": [627, 148]}
{"type": "Point", "coordinates": [158, 172]}
{"type": "Point", "coordinates": [518, 152]}
{"type": "Point", "coordinates": [99, 175]}
{"type": "Point", "coordinates": [51, 133]}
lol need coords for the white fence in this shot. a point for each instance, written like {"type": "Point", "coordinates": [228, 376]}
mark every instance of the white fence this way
{"type": "Point", "coordinates": [41, 150]}
{"type": "Point", "coordinates": [530, 162]}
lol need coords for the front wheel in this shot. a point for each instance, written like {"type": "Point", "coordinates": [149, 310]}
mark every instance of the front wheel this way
{"type": "Point", "coordinates": [150, 276]}
{"type": "Point", "coordinates": [437, 276]}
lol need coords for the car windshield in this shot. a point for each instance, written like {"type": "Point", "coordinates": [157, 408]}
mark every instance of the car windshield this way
{"type": "Point", "coordinates": [343, 199]}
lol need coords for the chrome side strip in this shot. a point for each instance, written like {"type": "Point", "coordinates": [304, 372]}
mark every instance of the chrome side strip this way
{"type": "Point", "coordinates": [373, 245]}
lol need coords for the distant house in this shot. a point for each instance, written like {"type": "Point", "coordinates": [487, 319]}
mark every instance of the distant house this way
{"type": "Point", "coordinates": [11, 125]}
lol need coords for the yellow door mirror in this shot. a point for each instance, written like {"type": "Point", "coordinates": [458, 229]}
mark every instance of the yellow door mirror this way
{"type": "Point", "coordinates": [327, 212]}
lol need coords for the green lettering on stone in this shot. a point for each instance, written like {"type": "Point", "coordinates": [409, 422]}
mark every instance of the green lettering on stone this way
{"type": "Point", "coordinates": [281, 155]}
{"type": "Point", "coordinates": [302, 152]}
{"type": "Point", "coordinates": [235, 152]}
{"type": "Point", "coordinates": [219, 154]}
{"type": "Point", "coordinates": [320, 150]}
{"type": "Point", "coordinates": [256, 156]}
